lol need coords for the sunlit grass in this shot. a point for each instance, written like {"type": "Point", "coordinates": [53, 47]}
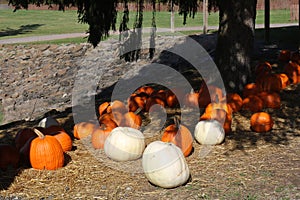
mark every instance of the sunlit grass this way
{"type": "Point", "coordinates": [25, 23]}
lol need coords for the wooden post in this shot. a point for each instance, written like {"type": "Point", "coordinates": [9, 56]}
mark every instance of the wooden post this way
{"type": "Point", "coordinates": [205, 14]}
{"type": "Point", "coordinates": [267, 21]}
{"type": "Point", "coordinates": [172, 17]}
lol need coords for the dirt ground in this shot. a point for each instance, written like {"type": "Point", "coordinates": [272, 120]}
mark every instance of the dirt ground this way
{"type": "Point", "coordinates": [247, 165]}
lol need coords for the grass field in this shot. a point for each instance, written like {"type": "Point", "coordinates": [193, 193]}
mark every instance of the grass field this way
{"type": "Point", "coordinates": [45, 22]}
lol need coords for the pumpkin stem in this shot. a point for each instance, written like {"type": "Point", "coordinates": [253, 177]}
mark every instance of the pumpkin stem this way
{"type": "Point", "coordinates": [39, 133]}
{"type": "Point", "coordinates": [176, 121]}
{"type": "Point", "coordinates": [217, 98]}
{"type": "Point", "coordinates": [138, 110]}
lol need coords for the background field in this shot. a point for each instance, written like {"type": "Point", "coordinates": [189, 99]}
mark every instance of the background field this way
{"type": "Point", "coordinates": [25, 23]}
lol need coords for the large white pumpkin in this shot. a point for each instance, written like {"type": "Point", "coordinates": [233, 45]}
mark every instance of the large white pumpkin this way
{"type": "Point", "coordinates": [164, 165]}
{"type": "Point", "coordinates": [124, 144]}
{"type": "Point", "coordinates": [209, 132]}
{"type": "Point", "coordinates": [47, 122]}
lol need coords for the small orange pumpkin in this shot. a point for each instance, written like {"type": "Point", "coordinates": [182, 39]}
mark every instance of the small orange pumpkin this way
{"type": "Point", "coordinates": [104, 108]}
{"type": "Point", "coordinates": [152, 100]}
{"type": "Point", "coordinates": [180, 136]}
{"type": "Point", "coordinates": [208, 94]}
{"type": "Point", "coordinates": [108, 120]}
{"type": "Point", "coordinates": [263, 68]}
{"type": "Point", "coordinates": [250, 89]}
{"type": "Point", "coordinates": [174, 96]}
{"type": "Point", "coordinates": [284, 80]}
{"type": "Point", "coordinates": [269, 83]}
{"type": "Point", "coordinates": [118, 106]}
{"type": "Point", "coordinates": [191, 99]}
{"type": "Point", "coordinates": [132, 120]}
{"type": "Point", "coordinates": [145, 89]}
{"type": "Point", "coordinates": [99, 136]}
{"type": "Point", "coordinates": [253, 103]}
{"type": "Point", "coordinates": [83, 129]}
{"type": "Point", "coordinates": [292, 70]}
{"type": "Point", "coordinates": [136, 101]}
{"type": "Point", "coordinates": [9, 155]}
{"type": "Point", "coordinates": [61, 135]}
{"type": "Point", "coordinates": [46, 152]}
{"type": "Point", "coordinates": [261, 122]}
{"type": "Point", "coordinates": [270, 99]}
{"type": "Point", "coordinates": [221, 112]}
{"type": "Point", "coordinates": [235, 101]}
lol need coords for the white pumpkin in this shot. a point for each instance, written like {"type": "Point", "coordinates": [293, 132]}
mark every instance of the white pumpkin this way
{"type": "Point", "coordinates": [47, 122]}
{"type": "Point", "coordinates": [124, 144]}
{"type": "Point", "coordinates": [164, 165]}
{"type": "Point", "coordinates": [209, 132]}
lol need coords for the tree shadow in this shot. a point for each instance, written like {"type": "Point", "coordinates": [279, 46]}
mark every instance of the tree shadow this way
{"type": "Point", "coordinates": [280, 38]}
{"type": "Point", "coordinates": [19, 31]}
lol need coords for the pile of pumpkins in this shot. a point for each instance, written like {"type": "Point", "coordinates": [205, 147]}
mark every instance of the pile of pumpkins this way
{"type": "Point", "coordinates": [118, 129]}
{"type": "Point", "coordinates": [163, 161]}
{"type": "Point", "coordinates": [42, 147]}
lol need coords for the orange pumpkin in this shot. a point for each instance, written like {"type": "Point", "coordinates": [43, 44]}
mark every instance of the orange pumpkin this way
{"type": "Point", "coordinates": [284, 80]}
{"type": "Point", "coordinates": [118, 106]}
{"type": "Point", "coordinates": [61, 135]}
{"type": "Point", "coordinates": [269, 83]}
{"type": "Point", "coordinates": [263, 68]}
{"type": "Point", "coordinates": [253, 103]}
{"type": "Point", "coordinates": [136, 101]}
{"type": "Point", "coordinates": [250, 89]}
{"type": "Point", "coordinates": [132, 120]}
{"type": "Point", "coordinates": [284, 55]}
{"type": "Point", "coordinates": [221, 112]}
{"type": "Point", "coordinates": [191, 99]}
{"type": "Point", "coordinates": [174, 96]}
{"type": "Point", "coordinates": [83, 129]}
{"type": "Point", "coordinates": [292, 70]}
{"type": "Point", "coordinates": [9, 156]}
{"type": "Point", "coordinates": [235, 101]}
{"type": "Point", "coordinates": [108, 120]}
{"type": "Point", "coordinates": [104, 108]}
{"type": "Point", "coordinates": [99, 136]}
{"type": "Point", "coordinates": [23, 136]}
{"type": "Point", "coordinates": [145, 89]}
{"type": "Point", "coordinates": [261, 122]}
{"type": "Point", "coordinates": [46, 152]}
{"type": "Point", "coordinates": [270, 99]}
{"type": "Point", "coordinates": [208, 94]}
{"type": "Point", "coordinates": [180, 136]}
{"type": "Point", "coordinates": [152, 100]}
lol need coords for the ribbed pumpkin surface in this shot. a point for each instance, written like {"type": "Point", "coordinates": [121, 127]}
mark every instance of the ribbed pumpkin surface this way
{"type": "Point", "coordinates": [261, 122]}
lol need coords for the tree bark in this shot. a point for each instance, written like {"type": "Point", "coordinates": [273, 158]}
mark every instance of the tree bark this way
{"type": "Point", "coordinates": [235, 42]}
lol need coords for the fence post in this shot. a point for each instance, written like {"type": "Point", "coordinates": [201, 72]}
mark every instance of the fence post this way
{"type": "Point", "coordinates": [205, 13]}
{"type": "Point", "coordinates": [172, 17]}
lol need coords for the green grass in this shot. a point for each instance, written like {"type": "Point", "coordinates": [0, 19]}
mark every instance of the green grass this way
{"type": "Point", "coordinates": [25, 23]}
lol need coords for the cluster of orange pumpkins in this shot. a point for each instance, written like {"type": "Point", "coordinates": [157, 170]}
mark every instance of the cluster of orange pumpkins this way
{"type": "Point", "coordinates": [264, 93]}
{"type": "Point", "coordinates": [118, 114]}
{"type": "Point", "coordinates": [42, 147]}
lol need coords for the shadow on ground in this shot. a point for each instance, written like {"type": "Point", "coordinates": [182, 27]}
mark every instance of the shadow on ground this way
{"type": "Point", "coordinates": [21, 30]}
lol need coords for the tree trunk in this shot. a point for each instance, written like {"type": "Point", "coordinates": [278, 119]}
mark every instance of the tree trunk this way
{"type": "Point", "coordinates": [235, 42]}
